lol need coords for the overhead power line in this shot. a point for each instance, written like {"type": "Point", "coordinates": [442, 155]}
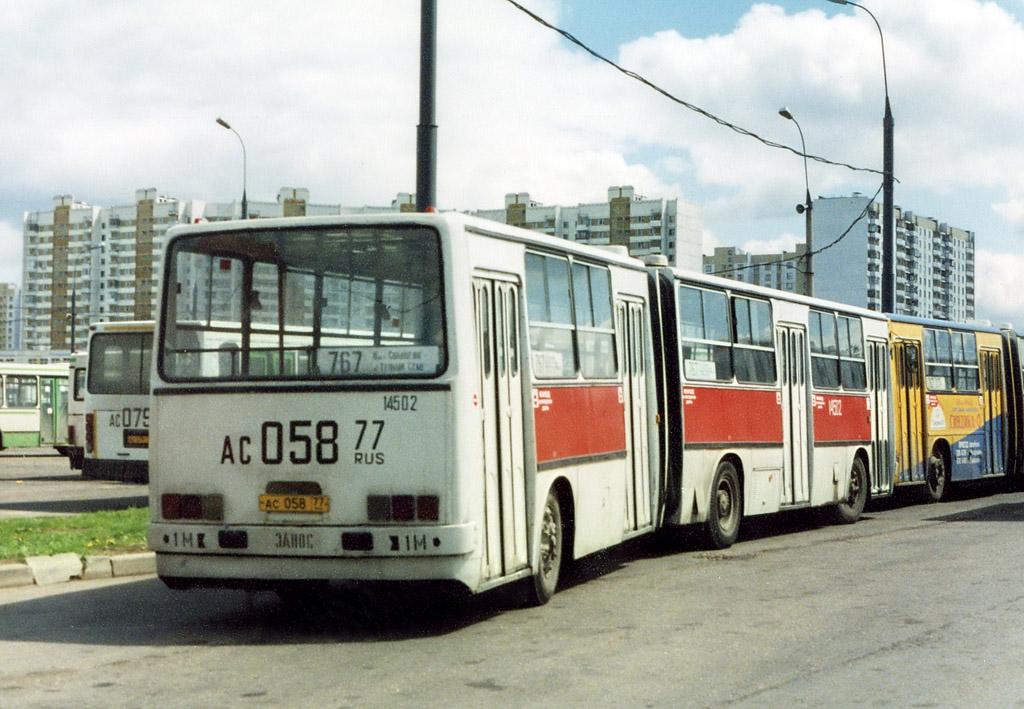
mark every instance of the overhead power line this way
{"type": "Point", "coordinates": [722, 122]}
{"type": "Point", "coordinates": [815, 252]}
{"type": "Point", "coordinates": [681, 102]}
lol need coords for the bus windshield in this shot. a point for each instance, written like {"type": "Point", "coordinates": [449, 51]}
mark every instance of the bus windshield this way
{"type": "Point", "coordinates": [328, 302]}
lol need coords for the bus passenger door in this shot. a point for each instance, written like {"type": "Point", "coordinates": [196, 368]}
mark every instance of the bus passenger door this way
{"type": "Point", "coordinates": [499, 355]}
{"type": "Point", "coordinates": [992, 411]}
{"type": "Point", "coordinates": [47, 414]}
{"type": "Point", "coordinates": [878, 384]}
{"type": "Point", "coordinates": [909, 398]}
{"type": "Point", "coordinates": [630, 316]}
{"type": "Point", "coordinates": [791, 351]}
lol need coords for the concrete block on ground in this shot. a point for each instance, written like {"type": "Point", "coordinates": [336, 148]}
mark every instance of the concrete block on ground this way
{"type": "Point", "coordinates": [133, 564]}
{"type": "Point", "coordinates": [97, 567]}
{"type": "Point", "coordinates": [55, 569]}
{"type": "Point", "coordinates": [16, 575]}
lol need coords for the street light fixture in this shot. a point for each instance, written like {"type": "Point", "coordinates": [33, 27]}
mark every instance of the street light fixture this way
{"type": "Point", "coordinates": [245, 203]}
{"type": "Point", "coordinates": [804, 209]}
{"type": "Point", "coordinates": [888, 254]}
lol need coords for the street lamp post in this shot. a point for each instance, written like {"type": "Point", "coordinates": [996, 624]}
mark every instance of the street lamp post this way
{"type": "Point", "coordinates": [74, 291]}
{"type": "Point", "coordinates": [888, 242]}
{"type": "Point", "coordinates": [245, 203]}
{"type": "Point", "coordinates": [426, 131]}
{"type": "Point", "coordinates": [804, 209]}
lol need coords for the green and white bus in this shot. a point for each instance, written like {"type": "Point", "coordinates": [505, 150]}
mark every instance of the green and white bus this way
{"type": "Point", "coordinates": [33, 405]}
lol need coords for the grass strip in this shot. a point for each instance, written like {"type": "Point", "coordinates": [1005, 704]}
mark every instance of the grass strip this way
{"type": "Point", "coordinates": [86, 534]}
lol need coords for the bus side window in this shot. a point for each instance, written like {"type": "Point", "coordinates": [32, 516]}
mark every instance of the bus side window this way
{"type": "Point", "coordinates": [549, 308]}
{"type": "Point", "coordinates": [591, 289]}
{"type": "Point", "coordinates": [753, 351]}
{"type": "Point", "coordinates": [704, 334]}
{"type": "Point", "coordinates": [824, 350]}
{"type": "Point", "coordinates": [852, 369]}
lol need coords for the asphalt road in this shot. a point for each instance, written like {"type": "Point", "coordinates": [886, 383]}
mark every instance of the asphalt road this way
{"type": "Point", "coordinates": [915, 605]}
{"type": "Point", "coordinates": [37, 481]}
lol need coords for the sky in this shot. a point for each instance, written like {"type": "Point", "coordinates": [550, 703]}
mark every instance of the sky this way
{"type": "Point", "coordinates": [101, 98]}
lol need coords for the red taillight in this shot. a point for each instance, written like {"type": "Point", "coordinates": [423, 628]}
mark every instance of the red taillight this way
{"type": "Point", "coordinates": [191, 507]}
{"type": "Point", "coordinates": [403, 508]}
{"type": "Point", "coordinates": [90, 432]}
{"type": "Point", "coordinates": [170, 506]}
{"type": "Point", "coordinates": [428, 508]}
{"type": "Point", "coordinates": [204, 507]}
{"type": "Point", "coordinates": [71, 434]}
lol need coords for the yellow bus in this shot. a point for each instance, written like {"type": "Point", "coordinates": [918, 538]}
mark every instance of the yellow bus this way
{"type": "Point", "coordinates": [950, 396]}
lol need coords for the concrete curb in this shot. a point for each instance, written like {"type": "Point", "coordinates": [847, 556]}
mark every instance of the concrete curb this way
{"type": "Point", "coordinates": [60, 568]}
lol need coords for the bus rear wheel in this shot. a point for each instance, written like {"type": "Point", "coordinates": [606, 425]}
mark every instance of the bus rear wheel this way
{"type": "Point", "coordinates": [549, 555]}
{"type": "Point", "coordinates": [849, 509]}
{"type": "Point", "coordinates": [726, 507]}
{"type": "Point", "coordinates": [935, 477]}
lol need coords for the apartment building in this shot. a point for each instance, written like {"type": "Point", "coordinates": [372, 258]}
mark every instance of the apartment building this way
{"type": "Point", "coordinates": [10, 317]}
{"type": "Point", "coordinates": [103, 263]}
{"type": "Point", "coordinates": [84, 263]}
{"type": "Point", "coordinates": [934, 262]}
{"type": "Point", "coordinates": [645, 226]}
{"type": "Point", "coordinates": [785, 271]}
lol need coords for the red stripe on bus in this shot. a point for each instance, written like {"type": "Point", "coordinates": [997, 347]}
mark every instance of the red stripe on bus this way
{"type": "Point", "coordinates": [571, 422]}
{"type": "Point", "coordinates": [839, 417]}
{"type": "Point", "coordinates": [718, 415]}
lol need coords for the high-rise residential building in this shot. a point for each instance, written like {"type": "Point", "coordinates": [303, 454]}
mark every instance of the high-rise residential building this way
{"type": "Point", "coordinates": [934, 263]}
{"type": "Point", "coordinates": [84, 263]}
{"type": "Point", "coordinates": [103, 263]}
{"type": "Point", "coordinates": [59, 259]}
{"type": "Point", "coordinates": [669, 227]}
{"type": "Point", "coordinates": [785, 271]}
{"type": "Point", "coordinates": [10, 317]}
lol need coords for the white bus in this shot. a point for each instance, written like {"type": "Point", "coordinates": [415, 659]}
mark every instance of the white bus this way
{"type": "Point", "coordinates": [33, 405]}
{"type": "Point", "coordinates": [117, 401]}
{"type": "Point", "coordinates": [777, 401]}
{"type": "Point", "coordinates": [397, 398]}
{"type": "Point", "coordinates": [76, 410]}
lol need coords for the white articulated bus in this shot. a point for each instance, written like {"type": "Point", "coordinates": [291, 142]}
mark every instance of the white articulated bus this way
{"type": "Point", "coordinates": [774, 401]}
{"type": "Point", "coordinates": [117, 401]}
{"type": "Point", "coordinates": [397, 398]}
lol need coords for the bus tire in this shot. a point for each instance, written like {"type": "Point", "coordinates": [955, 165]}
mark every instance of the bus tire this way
{"type": "Point", "coordinates": [936, 477]}
{"type": "Point", "coordinates": [549, 555]}
{"type": "Point", "coordinates": [726, 507]}
{"type": "Point", "coordinates": [849, 509]}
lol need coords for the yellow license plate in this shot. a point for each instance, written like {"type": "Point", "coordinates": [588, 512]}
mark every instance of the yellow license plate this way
{"type": "Point", "coordinates": [316, 504]}
{"type": "Point", "coordinates": [136, 438]}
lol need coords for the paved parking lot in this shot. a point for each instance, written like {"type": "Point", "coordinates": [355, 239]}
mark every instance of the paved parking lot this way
{"type": "Point", "coordinates": [35, 482]}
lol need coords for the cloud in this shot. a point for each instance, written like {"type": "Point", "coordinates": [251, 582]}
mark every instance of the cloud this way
{"type": "Point", "coordinates": [125, 96]}
{"type": "Point", "coordinates": [1012, 212]}
{"type": "Point", "coordinates": [785, 242]}
{"type": "Point", "coordinates": [999, 295]}
{"type": "Point", "coordinates": [327, 98]}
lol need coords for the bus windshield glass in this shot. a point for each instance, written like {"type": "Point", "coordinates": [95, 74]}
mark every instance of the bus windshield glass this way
{"type": "Point", "coordinates": [119, 362]}
{"type": "Point", "coordinates": [321, 302]}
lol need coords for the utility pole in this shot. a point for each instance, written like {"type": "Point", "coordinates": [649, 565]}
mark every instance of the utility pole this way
{"type": "Point", "coordinates": [426, 132]}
